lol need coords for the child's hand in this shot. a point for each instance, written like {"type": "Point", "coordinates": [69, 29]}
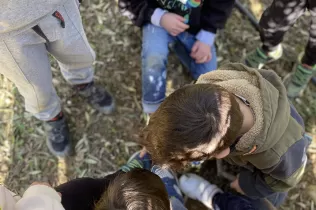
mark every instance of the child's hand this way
{"type": "Point", "coordinates": [173, 23]}
{"type": "Point", "coordinates": [201, 52]}
{"type": "Point", "coordinates": [235, 185]}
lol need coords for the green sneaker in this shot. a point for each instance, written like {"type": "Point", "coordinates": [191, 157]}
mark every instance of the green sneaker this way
{"type": "Point", "coordinates": [258, 58]}
{"type": "Point", "coordinates": [299, 80]}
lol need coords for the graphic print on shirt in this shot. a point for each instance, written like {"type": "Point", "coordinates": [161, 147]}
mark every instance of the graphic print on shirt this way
{"type": "Point", "coordinates": [180, 7]}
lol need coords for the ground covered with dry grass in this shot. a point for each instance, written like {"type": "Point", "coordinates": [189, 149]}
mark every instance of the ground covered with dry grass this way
{"type": "Point", "coordinates": [103, 143]}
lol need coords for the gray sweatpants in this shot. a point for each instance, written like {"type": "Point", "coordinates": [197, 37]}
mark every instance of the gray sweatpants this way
{"type": "Point", "coordinates": [24, 60]}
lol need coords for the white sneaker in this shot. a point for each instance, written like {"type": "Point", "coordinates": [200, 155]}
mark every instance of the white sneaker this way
{"type": "Point", "coordinates": [197, 188]}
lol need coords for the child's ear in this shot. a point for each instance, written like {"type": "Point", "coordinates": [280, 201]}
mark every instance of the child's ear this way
{"type": "Point", "coordinates": [223, 153]}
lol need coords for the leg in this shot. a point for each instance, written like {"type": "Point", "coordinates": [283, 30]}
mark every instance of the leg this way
{"type": "Point", "coordinates": [306, 68]}
{"type": "Point", "coordinates": [154, 60]}
{"type": "Point", "coordinates": [76, 57]}
{"type": "Point", "coordinates": [168, 177]}
{"type": "Point", "coordinates": [176, 204]}
{"type": "Point", "coordinates": [276, 21]}
{"type": "Point", "coordinates": [183, 46]}
{"type": "Point", "coordinates": [24, 61]}
{"type": "Point", "coordinates": [310, 51]}
{"type": "Point", "coordinates": [72, 49]}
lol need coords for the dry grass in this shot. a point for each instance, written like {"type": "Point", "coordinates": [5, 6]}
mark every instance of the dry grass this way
{"type": "Point", "coordinates": [103, 143]}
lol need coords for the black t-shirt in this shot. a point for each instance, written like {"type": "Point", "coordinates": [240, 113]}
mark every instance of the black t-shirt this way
{"type": "Point", "coordinates": [84, 193]}
{"type": "Point", "coordinates": [208, 15]}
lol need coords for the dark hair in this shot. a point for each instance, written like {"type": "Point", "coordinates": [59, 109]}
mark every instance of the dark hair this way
{"type": "Point", "coordinates": [138, 189]}
{"type": "Point", "coordinates": [192, 117]}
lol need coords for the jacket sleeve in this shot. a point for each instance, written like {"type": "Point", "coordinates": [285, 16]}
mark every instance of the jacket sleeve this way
{"type": "Point", "coordinates": [40, 197]}
{"type": "Point", "coordinates": [139, 11]}
{"type": "Point", "coordinates": [278, 178]}
{"type": "Point", "coordinates": [215, 13]}
{"type": "Point", "coordinates": [7, 199]}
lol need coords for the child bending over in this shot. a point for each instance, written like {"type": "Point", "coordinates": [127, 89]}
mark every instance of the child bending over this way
{"type": "Point", "coordinates": [240, 114]}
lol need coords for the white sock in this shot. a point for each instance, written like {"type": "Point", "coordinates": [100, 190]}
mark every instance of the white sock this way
{"type": "Point", "coordinates": [277, 53]}
{"type": "Point", "coordinates": [195, 187]}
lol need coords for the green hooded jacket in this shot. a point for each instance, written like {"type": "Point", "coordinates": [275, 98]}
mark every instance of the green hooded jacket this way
{"type": "Point", "coordinates": [274, 150]}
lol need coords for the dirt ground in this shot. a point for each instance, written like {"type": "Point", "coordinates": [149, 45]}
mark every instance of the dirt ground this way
{"type": "Point", "coordinates": [103, 143]}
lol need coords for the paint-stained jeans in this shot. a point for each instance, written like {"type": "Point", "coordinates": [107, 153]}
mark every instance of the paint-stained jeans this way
{"type": "Point", "coordinates": [154, 61]}
{"type": "Point", "coordinates": [278, 19]}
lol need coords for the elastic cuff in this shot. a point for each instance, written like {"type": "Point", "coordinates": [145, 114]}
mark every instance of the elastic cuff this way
{"type": "Point", "coordinates": [50, 113]}
{"type": "Point", "coordinates": [206, 37]}
{"type": "Point", "coordinates": [209, 194]}
{"type": "Point", "coordinates": [37, 190]}
{"type": "Point", "coordinates": [150, 108]}
{"type": "Point", "coordinates": [157, 15]}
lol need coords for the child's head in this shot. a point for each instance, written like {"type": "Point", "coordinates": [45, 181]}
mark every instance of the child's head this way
{"type": "Point", "coordinates": [194, 123]}
{"type": "Point", "coordinates": [138, 189]}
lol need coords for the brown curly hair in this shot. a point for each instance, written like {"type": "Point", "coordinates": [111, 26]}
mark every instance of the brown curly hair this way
{"type": "Point", "coordinates": [192, 124]}
{"type": "Point", "coordinates": [138, 189]}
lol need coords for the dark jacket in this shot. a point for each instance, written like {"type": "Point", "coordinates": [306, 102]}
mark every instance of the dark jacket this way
{"type": "Point", "coordinates": [208, 15]}
{"type": "Point", "coordinates": [84, 193]}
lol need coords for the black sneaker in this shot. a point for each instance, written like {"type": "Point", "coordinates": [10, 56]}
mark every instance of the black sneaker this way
{"type": "Point", "coordinates": [58, 138]}
{"type": "Point", "coordinates": [98, 97]}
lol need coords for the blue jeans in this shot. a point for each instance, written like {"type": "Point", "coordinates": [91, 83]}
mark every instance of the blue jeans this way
{"type": "Point", "coordinates": [155, 52]}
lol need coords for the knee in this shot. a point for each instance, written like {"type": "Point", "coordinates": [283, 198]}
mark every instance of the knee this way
{"type": "Point", "coordinates": [154, 78]}
{"type": "Point", "coordinates": [154, 72]}
{"type": "Point", "coordinates": [155, 63]}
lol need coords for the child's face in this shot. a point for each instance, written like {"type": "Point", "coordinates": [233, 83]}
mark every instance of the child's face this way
{"type": "Point", "coordinates": [223, 154]}
{"type": "Point", "coordinates": [199, 152]}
